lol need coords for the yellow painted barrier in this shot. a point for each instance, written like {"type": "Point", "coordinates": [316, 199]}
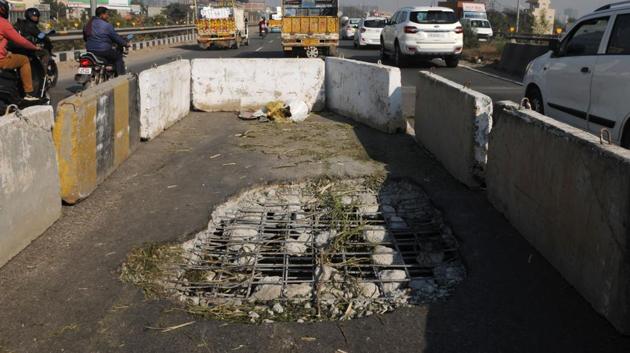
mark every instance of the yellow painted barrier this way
{"type": "Point", "coordinates": [95, 131]}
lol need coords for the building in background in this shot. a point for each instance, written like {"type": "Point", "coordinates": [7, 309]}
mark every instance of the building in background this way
{"type": "Point", "coordinates": [543, 16]}
{"type": "Point", "coordinates": [18, 8]}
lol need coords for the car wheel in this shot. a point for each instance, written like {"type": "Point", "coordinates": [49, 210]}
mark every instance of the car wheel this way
{"type": "Point", "coordinates": [452, 61]}
{"type": "Point", "coordinates": [383, 52]}
{"type": "Point", "coordinates": [535, 99]}
{"type": "Point", "coordinates": [399, 57]}
{"type": "Point", "coordinates": [625, 138]}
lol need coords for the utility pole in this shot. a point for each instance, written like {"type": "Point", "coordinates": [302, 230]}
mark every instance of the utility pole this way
{"type": "Point", "coordinates": [518, 14]}
{"type": "Point", "coordinates": [92, 8]}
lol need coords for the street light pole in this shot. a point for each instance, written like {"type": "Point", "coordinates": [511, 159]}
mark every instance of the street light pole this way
{"type": "Point", "coordinates": [518, 14]}
{"type": "Point", "coordinates": [92, 8]}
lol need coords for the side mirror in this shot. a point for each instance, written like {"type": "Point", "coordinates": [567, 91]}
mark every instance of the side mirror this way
{"type": "Point", "coordinates": [554, 46]}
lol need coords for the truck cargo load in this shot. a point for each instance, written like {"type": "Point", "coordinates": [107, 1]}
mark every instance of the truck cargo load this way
{"type": "Point", "coordinates": [223, 26]}
{"type": "Point", "coordinates": [310, 27]}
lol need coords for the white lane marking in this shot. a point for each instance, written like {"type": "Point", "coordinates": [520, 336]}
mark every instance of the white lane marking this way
{"type": "Point", "coordinates": [259, 49]}
{"type": "Point", "coordinates": [491, 75]}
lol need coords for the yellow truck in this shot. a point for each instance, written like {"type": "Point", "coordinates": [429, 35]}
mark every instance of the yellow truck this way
{"type": "Point", "coordinates": [222, 26]}
{"type": "Point", "coordinates": [310, 27]}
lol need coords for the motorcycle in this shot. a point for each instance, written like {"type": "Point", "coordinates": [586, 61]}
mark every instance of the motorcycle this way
{"type": "Point", "coordinates": [94, 70]}
{"type": "Point", "coordinates": [44, 75]}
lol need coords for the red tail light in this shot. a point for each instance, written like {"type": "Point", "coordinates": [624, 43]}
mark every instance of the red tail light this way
{"type": "Point", "coordinates": [85, 63]}
{"type": "Point", "coordinates": [459, 29]}
{"type": "Point", "coordinates": [363, 30]}
{"type": "Point", "coordinates": [411, 29]}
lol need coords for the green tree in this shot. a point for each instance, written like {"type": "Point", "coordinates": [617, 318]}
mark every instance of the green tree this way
{"type": "Point", "coordinates": [176, 12]}
{"type": "Point", "coordinates": [58, 10]}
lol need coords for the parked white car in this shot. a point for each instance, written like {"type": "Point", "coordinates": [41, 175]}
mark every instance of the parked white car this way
{"type": "Point", "coordinates": [349, 28]}
{"type": "Point", "coordinates": [480, 27]}
{"type": "Point", "coordinates": [423, 32]}
{"type": "Point", "coordinates": [369, 31]}
{"type": "Point", "coordinates": [584, 80]}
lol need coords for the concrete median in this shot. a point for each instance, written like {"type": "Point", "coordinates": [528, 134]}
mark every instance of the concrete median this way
{"type": "Point", "coordinates": [368, 93]}
{"type": "Point", "coordinates": [453, 122]}
{"type": "Point", "coordinates": [515, 57]}
{"type": "Point", "coordinates": [164, 97]}
{"type": "Point", "coordinates": [569, 195]}
{"type": "Point", "coordinates": [249, 84]}
{"type": "Point", "coordinates": [95, 131]}
{"type": "Point", "coordinates": [29, 181]}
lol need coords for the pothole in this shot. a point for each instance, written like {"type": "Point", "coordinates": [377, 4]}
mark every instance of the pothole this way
{"type": "Point", "coordinates": [319, 250]}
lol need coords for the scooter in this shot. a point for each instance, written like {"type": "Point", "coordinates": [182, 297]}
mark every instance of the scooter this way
{"type": "Point", "coordinates": [94, 70]}
{"type": "Point", "coordinates": [11, 91]}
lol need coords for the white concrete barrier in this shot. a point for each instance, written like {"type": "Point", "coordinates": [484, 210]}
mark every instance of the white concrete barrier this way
{"type": "Point", "coordinates": [164, 97]}
{"type": "Point", "coordinates": [249, 84]}
{"type": "Point", "coordinates": [569, 195]}
{"type": "Point", "coordinates": [453, 122]}
{"type": "Point", "coordinates": [29, 181]}
{"type": "Point", "coordinates": [368, 93]}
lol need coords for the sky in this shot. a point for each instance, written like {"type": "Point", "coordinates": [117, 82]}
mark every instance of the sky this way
{"type": "Point", "coordinates": [583, 6]}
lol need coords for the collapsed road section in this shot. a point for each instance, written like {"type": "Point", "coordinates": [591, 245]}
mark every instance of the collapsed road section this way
{"type": "Point", "coordinates": [311, 251]}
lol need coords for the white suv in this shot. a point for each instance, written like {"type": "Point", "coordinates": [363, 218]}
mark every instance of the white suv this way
{"type": "Point", "coordinates": [426, 32]}
{"type": "Point", "coordinates": [584, 80]}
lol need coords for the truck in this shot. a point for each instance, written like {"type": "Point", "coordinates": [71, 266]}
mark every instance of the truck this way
{"type": "Point", "coordinates": [221, 25]}
{"type": "Point", "coordinates": [466, 9]}
{"type": "Point", "coordinates": [310, 27]}
{"type": "Point", "coordinates": [275, 21]}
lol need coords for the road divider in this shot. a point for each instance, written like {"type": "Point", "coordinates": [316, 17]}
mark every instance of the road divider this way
{"type": "Point", "coordinates": [164, 97]}
{"type": "Point", "coordinates": [249, 84]}
{"type": "Point", "coordinates": [569, 196]}
{"type": "Point", "coordinates": [453, 123]}
{"type": "Point", "coordinates": [29, 181]}
{"type": "Point", "coordinates": [71, 55]}
{"type": "Point", "coordinates": [95, 131]}
{"type": "Point", "coordinates": [368, 93]}
{"type": "Point", "coordinates": [515, 57]}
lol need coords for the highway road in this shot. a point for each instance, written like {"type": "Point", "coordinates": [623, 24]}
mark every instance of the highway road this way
{"type": "Point", "coordinates": [269, 47]}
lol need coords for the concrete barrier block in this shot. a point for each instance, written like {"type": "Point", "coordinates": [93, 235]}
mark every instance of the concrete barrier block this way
{"type": "Point", "coordinates": [29, 180]}
{"type": "Point", "coordinates": [164, 97]}
{"type": "Point", "coordinates": [516, 56]}
{"type": "Point", "coordinates": [95, 131]}
{"type": "Point", "coordinates": [249, 84]}
{"type": "Point", "coordinates": [368, 93]}
{"type": "Point", "coordinates": [453, 122]}
{"type": "Point", "coordinates": [569, 196]}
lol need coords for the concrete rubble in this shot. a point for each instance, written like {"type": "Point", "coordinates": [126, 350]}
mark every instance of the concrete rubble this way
{"type": "Point", "coordinates": [320, 250]}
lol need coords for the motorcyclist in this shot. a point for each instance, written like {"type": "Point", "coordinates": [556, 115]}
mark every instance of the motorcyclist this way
{"type": "Point", "coordinates": [28, 27]}
{"type": "Point", "coordinates": [15, 61]}
{"type": "Point", "coordinates": [262, 26]}
{"type": "Point", "coordinates": [100, 36]}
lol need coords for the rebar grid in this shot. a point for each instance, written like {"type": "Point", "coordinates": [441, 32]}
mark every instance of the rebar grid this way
{"type": "Point", "coordinates": [249, 247]}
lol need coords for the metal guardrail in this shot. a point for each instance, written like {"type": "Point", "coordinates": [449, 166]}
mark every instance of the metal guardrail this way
{"type": "Point", "coordinates": [78, 34]}
{"type": "Point", "coordinates": [527, 37]}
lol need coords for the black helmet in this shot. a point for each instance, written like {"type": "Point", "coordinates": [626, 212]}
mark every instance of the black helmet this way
{"type": "Point", "coordinates": [32, 12]}
{"type": "Point", "coordinates": [4, 8]}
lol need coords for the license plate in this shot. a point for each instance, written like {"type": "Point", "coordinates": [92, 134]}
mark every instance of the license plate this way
{"type": "Point", "coordinates": [310, 42]}
{"type": "Point", "coordinates": [85, 70]}
{"type": "Point", "coordinates": [437, 35]}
